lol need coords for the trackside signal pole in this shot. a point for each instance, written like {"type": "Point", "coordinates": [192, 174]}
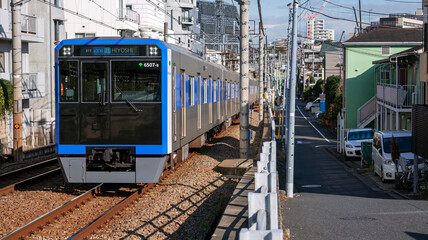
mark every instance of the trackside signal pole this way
{"type": "Point", "coordinates": [17, 73]}
{"type": "Point", "coordinates": [292, 106]}
{"type": "Point", "coordinates": [244, 61]}
{"type": "Point", "coordinates": [261, 56]}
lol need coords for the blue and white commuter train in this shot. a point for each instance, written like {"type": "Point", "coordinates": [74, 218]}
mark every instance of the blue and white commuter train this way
{"type": "Point", "coordinates": [129, 107]}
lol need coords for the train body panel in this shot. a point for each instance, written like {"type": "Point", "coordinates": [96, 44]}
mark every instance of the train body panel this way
{"type": "Point", "coordinates": [126, 107]}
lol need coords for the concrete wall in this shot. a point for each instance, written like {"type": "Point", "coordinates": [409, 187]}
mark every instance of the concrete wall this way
{"type": "Point", "coordinates": [106, 12]}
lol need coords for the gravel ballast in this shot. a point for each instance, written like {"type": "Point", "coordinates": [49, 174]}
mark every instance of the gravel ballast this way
{"type": "Point", "coordinates": [185, 205]}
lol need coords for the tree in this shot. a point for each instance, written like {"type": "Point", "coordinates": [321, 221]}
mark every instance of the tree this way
{"type": "Point", "coordinates": [333, 97]}
{"type": "Point", "coordinates": [331, 90]}
{"type": "Point", "coordinates": [311, 79]}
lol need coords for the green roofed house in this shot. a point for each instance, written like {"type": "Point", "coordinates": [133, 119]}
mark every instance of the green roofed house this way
{"type": "Point", "coordinates": [359, 76]}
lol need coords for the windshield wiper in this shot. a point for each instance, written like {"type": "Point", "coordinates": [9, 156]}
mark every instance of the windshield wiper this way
{"type": "Point", "coordinates": [128, 101]}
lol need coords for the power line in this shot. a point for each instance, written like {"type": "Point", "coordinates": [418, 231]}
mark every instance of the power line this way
{"type": "Point", "coordinates": [350, 8]}
{"type": "Point", "coordinates": [105, 10]}
{"type": "Point", "coordinates": [78, 14]}
{"type": "Point", "coordinates": [336, 18]}
{"type": "Point", "coordinates": [401, 1]}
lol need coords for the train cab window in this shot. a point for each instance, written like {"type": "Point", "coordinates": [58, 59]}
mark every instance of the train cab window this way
{"type": "Point", "coordinates": [94, 82]}
{"type": "Point", "coordinates": [68, 80]}
{"type": "Point", "coordinates": [136, 81]}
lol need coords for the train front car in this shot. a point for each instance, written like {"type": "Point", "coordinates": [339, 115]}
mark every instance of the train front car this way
{"type": "Point", "coordinates": [112, 100]}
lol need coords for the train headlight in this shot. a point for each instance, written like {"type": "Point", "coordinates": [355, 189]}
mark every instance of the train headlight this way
{"type": "Point", "coordinates": [154, 51]}
{"type": "Point", "coordinates": [66, 51]}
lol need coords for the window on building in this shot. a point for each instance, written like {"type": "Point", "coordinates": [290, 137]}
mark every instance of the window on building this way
{"type": "Point", "coordinates": [57, 25]}
{"type": "Point", "coordinates": [129, 7]}
{"type": "Point", "coordinates": [172, 20]}
{"type": "Point", "coordinates": [84, 35]}
{"type": "Point", "coordinates": [185, 16]}
{"type": "Point", "coordinates": [56, 2]}
{"type": "Point", "coordinates": [2, 67]}
{"type": "Point", "coordinates": [385, 51]}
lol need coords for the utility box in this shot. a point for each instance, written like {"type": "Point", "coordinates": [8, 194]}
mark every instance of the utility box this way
{"type": "Point", "coordinates": [366, 154]}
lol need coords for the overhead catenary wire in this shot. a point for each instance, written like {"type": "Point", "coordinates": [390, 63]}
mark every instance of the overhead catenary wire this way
{"type": "Point", "coordinates": [336, 18]}
{"type": "Point", "coordinates": [78, 14]}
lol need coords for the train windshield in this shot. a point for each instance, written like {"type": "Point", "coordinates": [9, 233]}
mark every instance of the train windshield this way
{"type": "Point", "coordinates": [68, 77]}
{"type": "Point", "coordinates": [136, 81]}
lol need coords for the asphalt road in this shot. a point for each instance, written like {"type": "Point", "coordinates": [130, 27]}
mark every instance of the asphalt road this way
{"type": "Point", "coordinates": [330, 202]}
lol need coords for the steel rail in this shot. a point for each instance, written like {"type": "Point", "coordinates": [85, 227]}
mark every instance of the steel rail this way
{"type": "Point", "coordinates": [12, 187]}
{"type": "Point", "coordinates": [41, 221]}
{"type": "Point", "coordinates": [92, 227]}
{"type": "Point", "coordinates": [26, 168]}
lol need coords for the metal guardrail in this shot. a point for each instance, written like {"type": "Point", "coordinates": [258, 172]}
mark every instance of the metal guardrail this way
{"type": "Point", "coordinates": [263, 203]}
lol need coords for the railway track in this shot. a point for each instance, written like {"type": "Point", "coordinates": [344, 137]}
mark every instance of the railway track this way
{"type": "Point", "coordinates": [10, 181]}
{"type": "Point", "coordinates": [36, 228]}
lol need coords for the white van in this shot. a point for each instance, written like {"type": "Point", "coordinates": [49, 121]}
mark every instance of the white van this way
{"type": "Point", "coordinates": [381, 152]}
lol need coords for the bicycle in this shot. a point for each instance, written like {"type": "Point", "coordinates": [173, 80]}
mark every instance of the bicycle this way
{"type": "Point", "coordinates": [423, 182]}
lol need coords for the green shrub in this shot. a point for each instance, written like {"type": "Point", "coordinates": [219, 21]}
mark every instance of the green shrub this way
{"type": "Point", "coordinates": [6, 96]}
{"type": "Point", "coordinates": [307, 93]}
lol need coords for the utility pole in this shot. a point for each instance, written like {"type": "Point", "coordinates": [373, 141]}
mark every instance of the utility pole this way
{"type": "Point", "coordinates": [261, 56]}
{"type": "Point", "coordinates": [361, 21]}
{"type": "Point", "coordinates": [17, 86]}
{"type": "Point", "coordinates": [244, 65]}
{"type": "Point", "coordinates": [292, 105]}
{"type": "Point", "coordinates": [286, 83]}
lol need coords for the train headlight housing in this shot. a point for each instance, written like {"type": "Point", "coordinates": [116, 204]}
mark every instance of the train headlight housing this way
{"type": "Point", "coordinates": [66, 51]}
{"type": "Point", "coordinates": [154, 51]}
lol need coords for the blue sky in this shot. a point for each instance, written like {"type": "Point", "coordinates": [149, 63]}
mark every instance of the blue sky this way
{"type": "Point", "coordinates": [275, 14]}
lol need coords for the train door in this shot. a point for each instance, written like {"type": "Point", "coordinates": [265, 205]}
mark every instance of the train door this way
{"type": "Point", "coordinates": [94, 110]}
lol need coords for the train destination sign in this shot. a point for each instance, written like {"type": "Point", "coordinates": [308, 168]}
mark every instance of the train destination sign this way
{"type": "Point", "coordinates": [109, 51]}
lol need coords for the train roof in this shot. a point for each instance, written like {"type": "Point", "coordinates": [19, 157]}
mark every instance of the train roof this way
{"type": "Point", "coordinates": [181, 50]}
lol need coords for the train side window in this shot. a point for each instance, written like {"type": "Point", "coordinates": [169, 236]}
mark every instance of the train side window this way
{"type": "Point", "coordinates": [215, 91]}
{"type": "Point", "coordinates": [192, 90]}
{"type": "Point", "coordinates": [68, 80]}
{"type": "Point", "coordinates": [205, 91]}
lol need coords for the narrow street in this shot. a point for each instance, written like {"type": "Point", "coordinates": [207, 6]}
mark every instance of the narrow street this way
{"type": "Point", "coordinates": [332, 203]}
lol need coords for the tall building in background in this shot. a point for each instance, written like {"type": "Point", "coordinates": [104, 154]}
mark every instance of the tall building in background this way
{"type": "Point", "coordinates": [321, 34]}
{"type": "Point", "coordinates": [219, 25]}
{"type": "Point", "coordinates": [315, 31]}
{"type": "Point", "coordinates": [182, 19]}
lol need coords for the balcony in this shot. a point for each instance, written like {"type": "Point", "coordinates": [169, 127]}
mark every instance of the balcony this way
{"type": "Point", "coordinates": [400, 96]}
{"type": "Point", "coordinates": [31, 27]}
{"type": "Point", "coordinates": [187, 21]}
{"type": "Point", "coordinates": [129, 15]}
{"type": "Point", "coordinates": [186, 4]}
{"type": "Point", "coordinates": [127, 21]}
{"type": "Point", "coordinates": [33, 85]}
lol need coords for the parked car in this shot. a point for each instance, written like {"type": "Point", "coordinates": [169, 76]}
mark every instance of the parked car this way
{"type": "Point", "coordinates": [381, 152]}
{"type": "Point", "coordinates": [315, 103]}
{"type": "Point", "coordinates": [353, 141]}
